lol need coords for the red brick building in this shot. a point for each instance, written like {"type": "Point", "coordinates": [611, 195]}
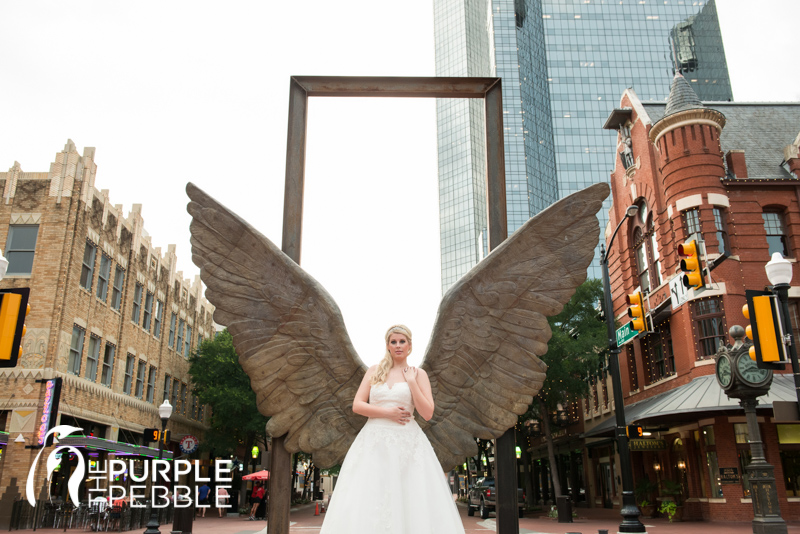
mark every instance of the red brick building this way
{"type": "Point", "coordinates": [727, 174]}
{"type": "Point", "coordinates": [110, 315]}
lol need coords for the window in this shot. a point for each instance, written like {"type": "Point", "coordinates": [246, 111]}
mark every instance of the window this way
{"type": "Point", "coordinates": [657, 353]}
{"type": "Point", "coordinates": [176, 386]}
{"type": "Point", "coordinates": [116, 292]}
{"type": "Point", "coordinates": [179, 342]}
{"type": "Point", "coordinates": [129, 363]}
{"type": "Point", "coordinates": [108, 365]}
{"type": "Point", "coordinates": [167, 384]}
{"type": "Point", "coordinates": [656, 258]}
{"type": "Point", "coordinates": [199, 340]}
{"type": "Point", "coordinates": [76, 350]}
{"type": "Point", "coordinates": [92, 357]}
{"type": "Point", "coordinates": [641, 260]}
{"type": "Point", "coordinates": [20, 248]}
{"type": "Point", "coordinates": [148, 311]}
{"type": "Point", "coordinates": [137, 303]}
{"type": "Point", "coordinates": [102, 277]}
{"type": "Point", "coordinates": [710, 326]}
{"type": "Point", "coordinates": [151, 384]}
{"type": "Point", "coordinates": [692, 220]}
{"type": "Point", "coordinates": [158, 318]}
{"type": "Point", "coordinates": [188, 341]}
{"type": "Point", "coordinates": [722, 232]}
{"type": "Point", "coordinates": [194, 407]}
{"type": "Point", "coordinates": [776, 236]}
{"type": "Point", "coordinates": [172, 320]}
{"type": "Point", "coordinates": [789, 440]}
{"type": "Point", "coordinates": [140, 379]}
{"type": "Point", "coordinates": [184, 404]}
{"type": "Point", "coordinates": [87, 271]}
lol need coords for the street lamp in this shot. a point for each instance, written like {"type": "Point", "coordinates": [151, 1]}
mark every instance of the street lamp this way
{"type": "Point", "coordinates": [629, 510]}
{"type": "Point", "coordinates": [779, 273]}
{"type": "Point", "coordinates": [164, 412]}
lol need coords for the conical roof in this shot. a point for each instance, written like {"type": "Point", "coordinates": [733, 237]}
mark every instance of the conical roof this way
{"type": "Point", "coordinates": [681, 96]}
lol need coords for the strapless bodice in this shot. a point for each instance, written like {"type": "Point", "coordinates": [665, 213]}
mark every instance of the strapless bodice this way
{"type": "Point", "coordinates": [397, 395]}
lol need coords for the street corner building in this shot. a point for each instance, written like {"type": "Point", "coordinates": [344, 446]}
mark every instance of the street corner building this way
{"type": "Point", "coordinates": [109, 316]}
{"type": "Point", "coordinates": [726, 175]}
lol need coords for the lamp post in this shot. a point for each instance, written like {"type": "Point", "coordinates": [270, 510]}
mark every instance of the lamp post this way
{"type": "Point", "coordinates": [165, 412]}
{"type": "Point", "coordinates": [629, 510]}
{"type": "Point", "coordinates": [779, 273]}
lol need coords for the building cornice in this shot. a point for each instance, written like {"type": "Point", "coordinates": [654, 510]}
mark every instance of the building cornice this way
{"type": "Point", "coordinates": [707, 116]}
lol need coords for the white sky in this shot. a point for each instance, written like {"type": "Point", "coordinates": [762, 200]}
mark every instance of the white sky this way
{"type": "Point", "coordinates": [171, 92]}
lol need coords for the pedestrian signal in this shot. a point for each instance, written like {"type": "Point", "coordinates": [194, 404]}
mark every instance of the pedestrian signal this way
{"type": "Point", "coordinates": [155, 435]}
{"type": "Point", "coordinates": [690, 265]}
{"type": "Point", "coordinates": [765, 330]}
{"type": "Point", "coordinates": [636, 311]}
{"type": "Point", "coordinates": [14, 308]}
{"type": "Point", "coordinates": [634, 431]}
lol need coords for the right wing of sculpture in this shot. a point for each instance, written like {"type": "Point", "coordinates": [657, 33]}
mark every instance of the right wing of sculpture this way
{"type": "Point", "coordinates": [483, 359]}
{"type": "Point", "coordinates": [287, 330]}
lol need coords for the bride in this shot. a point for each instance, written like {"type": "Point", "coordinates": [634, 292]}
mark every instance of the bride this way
{"type": "Point", "coordinates": [391, 480]}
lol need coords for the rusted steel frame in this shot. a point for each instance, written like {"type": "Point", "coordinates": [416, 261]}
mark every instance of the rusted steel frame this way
{"type": "Point", "coordinates": [395, 86]}
{"type": "Point", "coordinates": [301, 87]}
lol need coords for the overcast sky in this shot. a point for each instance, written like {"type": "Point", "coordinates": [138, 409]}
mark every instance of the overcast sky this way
{"type": "Point", "coordinates": [171, 92]}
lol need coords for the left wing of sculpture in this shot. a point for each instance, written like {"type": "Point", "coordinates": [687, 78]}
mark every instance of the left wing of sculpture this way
{"type": "Point", "coordinates": [287, 330]}
{"type": "Point", "coordinates": [483, 358]}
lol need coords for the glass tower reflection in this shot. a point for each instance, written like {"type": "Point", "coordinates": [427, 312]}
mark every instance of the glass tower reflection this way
{"type": "Point", "coordinates": [564, 65]}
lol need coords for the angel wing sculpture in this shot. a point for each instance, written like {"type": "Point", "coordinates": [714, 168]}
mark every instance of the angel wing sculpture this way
{"type": "Point", "coordinates": [483, 358]}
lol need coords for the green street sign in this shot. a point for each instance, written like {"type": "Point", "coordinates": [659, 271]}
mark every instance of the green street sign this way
{"type": "Point", "coordinates": [625, 333]}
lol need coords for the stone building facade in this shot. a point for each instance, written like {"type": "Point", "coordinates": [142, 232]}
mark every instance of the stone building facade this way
{"type": "Point", "coordinates": [110, 315]}
{"type": "Point", "coordinates": [727, 174]}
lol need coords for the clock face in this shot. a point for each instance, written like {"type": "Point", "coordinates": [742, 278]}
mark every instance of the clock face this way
{"type": "Point", "coordinates": [724, 371]}
{"type": "Point", "coordinates": [749, 372]}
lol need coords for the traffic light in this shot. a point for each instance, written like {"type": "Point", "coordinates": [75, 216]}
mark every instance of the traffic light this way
{"type": "Point", "coordinates": [765, 329]}
{"type": "Point", "coordinates": [690, 265]}
{"type": "Point", "coordinates": [634, 431]}
{"type": "Point", "coordinates": [636, 311]}
{"type": "Point", "coordinates": [13, 309]}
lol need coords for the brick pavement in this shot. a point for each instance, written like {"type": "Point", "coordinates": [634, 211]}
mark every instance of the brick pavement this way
{"type": "Point", "coordinates": [589, 521]}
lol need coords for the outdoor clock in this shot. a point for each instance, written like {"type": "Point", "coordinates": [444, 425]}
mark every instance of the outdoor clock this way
{"type": "Point", "coordinates": [749, 373]}
{"type": "Point", "coordinates": [724, 371]}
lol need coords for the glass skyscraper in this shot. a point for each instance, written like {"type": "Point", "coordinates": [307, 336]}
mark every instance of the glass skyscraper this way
{"type": "Point", "coordinates": [564, 65]}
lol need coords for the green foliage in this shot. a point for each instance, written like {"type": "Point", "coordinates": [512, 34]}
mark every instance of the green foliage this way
{"type": "Point", "coordinates": [221, 383]}
{"type": "Point", "coordinates": [645, 489]}
{"type": "Point", "coordinates": [668, 508]}
{"type": "Point", "coordinates": [576, 348]}
{"type": "Point", "coordinates": [675, 490]}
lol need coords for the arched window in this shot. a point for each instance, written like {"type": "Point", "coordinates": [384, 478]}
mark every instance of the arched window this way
{"type": "Point", "coordinates": [645, 247]}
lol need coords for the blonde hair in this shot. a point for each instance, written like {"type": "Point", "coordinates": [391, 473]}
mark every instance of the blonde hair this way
{"type": "Point", "coordinates": [382, 372]}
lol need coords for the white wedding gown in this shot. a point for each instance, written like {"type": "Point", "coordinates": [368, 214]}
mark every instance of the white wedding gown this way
{"type": "Point", "coordinates": [391, 481]}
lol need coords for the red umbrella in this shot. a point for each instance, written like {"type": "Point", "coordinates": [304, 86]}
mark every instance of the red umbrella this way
{"type": "Point", "coordinates": [258, 475]}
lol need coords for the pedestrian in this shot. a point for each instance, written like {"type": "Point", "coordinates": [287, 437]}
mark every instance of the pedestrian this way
{"type": "Point", "coordinates": [222, 499]}
{"type": "Point", "coordinates": [392, 447]}
{"type": "Point", "coordinates": [255, 499]}
{"type": "Point", "coordinates": [202, 497]}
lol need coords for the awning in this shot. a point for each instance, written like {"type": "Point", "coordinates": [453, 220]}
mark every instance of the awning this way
{"type": "Point", "coordinates": [701, 395]}
{"type": "Point", "coordinates": [117, 447]}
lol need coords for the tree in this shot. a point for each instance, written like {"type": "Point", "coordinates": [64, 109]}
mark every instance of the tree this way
{"type": "Point", "coordinates": [220, 382]}
{"type": "Point", "coordinates": [574, 353]}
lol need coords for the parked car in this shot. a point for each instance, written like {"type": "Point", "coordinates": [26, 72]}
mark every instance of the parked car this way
{"type": "Point", "coordinates": [482, 497]}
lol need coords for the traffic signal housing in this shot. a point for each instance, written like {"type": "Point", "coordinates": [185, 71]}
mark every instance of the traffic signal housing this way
{"type": "Point", "coordinates": [765, 330]}
{"type": "Point", "coordinates": [690, 265]}
{"type": "Point", "coordinates": [636, 311]}
{"type": "Point", "coordinates": [14, 308]}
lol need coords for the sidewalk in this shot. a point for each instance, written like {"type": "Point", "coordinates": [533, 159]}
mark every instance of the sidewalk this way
{"type": "Point", "coordinates": [589, 521]}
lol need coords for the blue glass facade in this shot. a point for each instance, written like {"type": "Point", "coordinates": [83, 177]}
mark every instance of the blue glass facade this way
{"type": "Point", "coordinates": [564, 64]}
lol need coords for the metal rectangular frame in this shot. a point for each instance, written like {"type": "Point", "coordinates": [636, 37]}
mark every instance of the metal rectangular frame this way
{"type": "Point", "coordinates": [302, 87]}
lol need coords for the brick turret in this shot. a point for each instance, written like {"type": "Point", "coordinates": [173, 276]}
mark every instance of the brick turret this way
{"type": "Point", "coordinates": [687, 140]}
